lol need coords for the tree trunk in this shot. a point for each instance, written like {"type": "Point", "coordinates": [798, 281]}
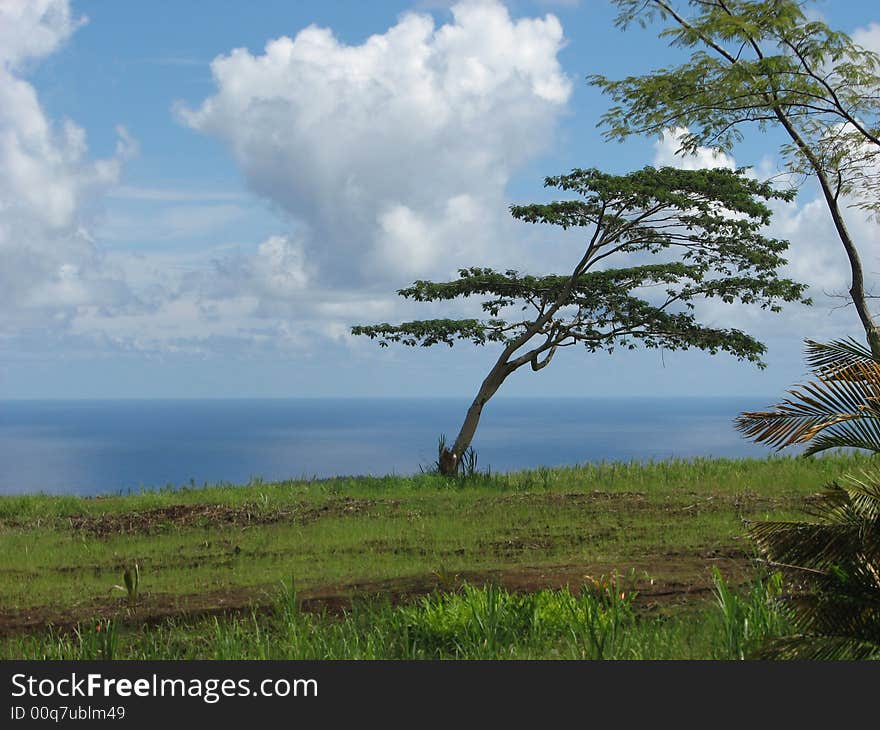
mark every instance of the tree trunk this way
{"type": "Point", "coordinates": [874, 341]}
{"type": "Point", "coordinates": [857, 289]}
{"type": "Point", "coordinates": [451, 458]}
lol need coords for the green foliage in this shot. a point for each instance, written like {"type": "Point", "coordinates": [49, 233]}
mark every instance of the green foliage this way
{"type": "Point", "coordinates": [748, 619]}
{"type": "Point", "coordinates": [475, 620]}
{"type": "Point", "coordinates": [765, 63]}
{"type": "Point", "coordinates": [97, 639]}
{"type": "Point", "coordinates": [468, 472]}
{"type": "Point", "coordinates": [757, 62]}
{"type": "Point", "coordinates": [431, 332]}
{"type": "Point", "coordinates": [131, 578]}
{"type": "Point", "coordinates": [598, 621]}
{"type": "Point", "coordinates": [710, 223]}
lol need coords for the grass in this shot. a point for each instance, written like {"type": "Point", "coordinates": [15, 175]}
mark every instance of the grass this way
{"type": "Point", "coordinates": [226, 545]}
{"type": "Point", "coordinates": [770, 476]}
{"type": "Point", "coordinates": [599, 622]}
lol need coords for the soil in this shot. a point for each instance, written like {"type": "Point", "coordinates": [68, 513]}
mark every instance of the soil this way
{"type": "Point", "coordinates": [161, 519]}
{"type": "Point", "coordinates": [210, 515]}
{"type": "Point", "coordinates": [675, 579]}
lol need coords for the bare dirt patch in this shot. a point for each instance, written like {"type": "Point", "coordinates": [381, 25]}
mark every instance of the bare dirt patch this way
{"type": "Point", "coordinates": [695, 502]}
{"type": "Point", "coordinates": [568, 498]}
{"type": "Point", "coordinates": [211, 515]}
{"type": "Point", "coordinates": [662, 581]}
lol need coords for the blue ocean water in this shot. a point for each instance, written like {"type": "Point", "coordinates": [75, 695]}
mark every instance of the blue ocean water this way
{"type": "Point", "coordinates": [104, 446]}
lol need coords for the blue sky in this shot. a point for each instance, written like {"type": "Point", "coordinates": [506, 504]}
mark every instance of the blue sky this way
{"type": "Point", "coordinates": [162, 235]}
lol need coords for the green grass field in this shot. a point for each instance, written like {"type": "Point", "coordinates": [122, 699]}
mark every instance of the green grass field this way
{"type": "Point", "coordinates": [213, 560]}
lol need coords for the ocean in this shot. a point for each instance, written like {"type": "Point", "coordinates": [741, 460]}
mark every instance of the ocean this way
{"type": "Point", "coordinates": [113, 446]}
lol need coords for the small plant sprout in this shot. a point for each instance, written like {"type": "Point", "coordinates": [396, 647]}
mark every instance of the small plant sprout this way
{"type": "Point", "coordinates": [446, 579]}
{"type": "Point", "coordinates": [131, 578]}
{"type": "Point", "coordinates": [96, 639]}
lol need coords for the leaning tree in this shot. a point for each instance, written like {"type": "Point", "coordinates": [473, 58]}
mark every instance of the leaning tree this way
{"type": "Point", "coordinates": [679, 235]}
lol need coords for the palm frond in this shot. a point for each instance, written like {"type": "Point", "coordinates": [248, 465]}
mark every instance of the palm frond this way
{"type": "Point", "coordinates": [840, 409]}
{"type": "Point", "coordinates": [813, 547]}
{"type": "Point", "coordinates": [832, 570]}
{"type": "Point", "coordinates": [848, 515]}
{"type": "Point", "coordinates": [838, 354]}
{"type": "Point", "coordinates": [850, 501]}
{"type": "Point", "coordinates": [832, 565]}
{"type": "Point", "coordinates": [853, 435]}
{"type": "Point", "coordinates": [864, 493]}
{"type": "Point", "coordinates": [838, 614]}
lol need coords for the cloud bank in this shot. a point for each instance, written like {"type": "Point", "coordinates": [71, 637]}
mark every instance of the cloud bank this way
{"type": "Point", "coordinates": [50, 267]}
{"type": "Point", "coordinates": [387, 160]}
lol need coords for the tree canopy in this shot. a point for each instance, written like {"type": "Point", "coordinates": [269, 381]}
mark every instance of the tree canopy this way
{"type": "Point", "coordinates": [764, 63]}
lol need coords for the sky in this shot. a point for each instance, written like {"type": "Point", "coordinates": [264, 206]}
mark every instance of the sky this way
{"type": "Point", "coordinates": [200, 199]}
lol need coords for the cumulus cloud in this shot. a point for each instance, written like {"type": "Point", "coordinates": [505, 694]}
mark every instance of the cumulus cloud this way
{"type": "Point", "coordinates": [389, 160]}
{"type": "Point", "coordinates": [230, 301]}
{"type": "Point", "coordinates": [277, 271]}
{"type": "Point", "coordinates": [49, 263]}
{"type": "Point", "coordinates": [395, 153]}
{"type": "Point", "coordinates": [32, 29]}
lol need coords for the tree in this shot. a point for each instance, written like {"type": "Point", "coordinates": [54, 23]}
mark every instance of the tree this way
{"type": "Point", "coordinates": [833, 563]}
{"type": "Point", "coordinates": [699, 233]}
{"type": "Point", "coordinates": [764, 62]}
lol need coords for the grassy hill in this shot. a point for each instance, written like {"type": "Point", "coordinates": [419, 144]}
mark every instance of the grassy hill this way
{"type": "Point", "coordinates": [240, 559]}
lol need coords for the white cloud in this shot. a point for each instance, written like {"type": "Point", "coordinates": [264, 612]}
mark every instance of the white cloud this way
{"type": "Point", "coordinates": [666, 152]}
{"type": "Point", "coordinates": [277, 271]}
{"type": "Point", "coordinates": [169, 222]}
{"type": "Point", "coordinates": [410, 243]}
{"type": "Point", "coordinates": [132, 192]}
{"type": "Point", "coordinates": [225, 300]}
{"type": "Point", "coordinates": [33, 29]}
{"type": "Point", "coordinates": [392, 153]}
{"type": "Point", "coordinates": [391, 157]}
{"type": "Point", "coordinates": [868, 37]}
{"type": "Point", "coordinates": [49, 263]}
